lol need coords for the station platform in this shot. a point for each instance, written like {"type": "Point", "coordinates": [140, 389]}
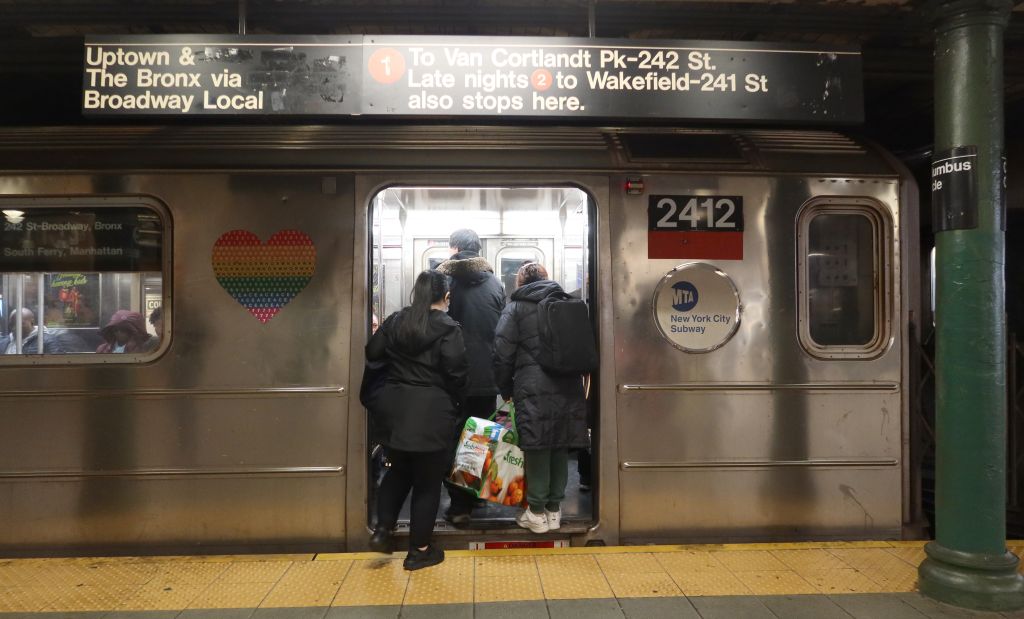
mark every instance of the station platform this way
{"type": "Point", "coordinates": [817, 580]}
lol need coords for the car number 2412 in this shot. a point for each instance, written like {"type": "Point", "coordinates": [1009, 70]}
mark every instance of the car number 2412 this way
{"type": "Point", "coordinates": [708, 213]}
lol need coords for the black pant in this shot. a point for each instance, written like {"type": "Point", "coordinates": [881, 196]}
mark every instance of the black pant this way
{"type": "Point", "coordinates": [474, 406]}
{"type": "Point", "coordinates": [422, 472]}
{"type": "Point", "coordinates": [584, 466]}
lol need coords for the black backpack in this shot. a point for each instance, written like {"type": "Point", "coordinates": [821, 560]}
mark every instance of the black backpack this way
{"type": "Point", "coordinates": [566, 340]}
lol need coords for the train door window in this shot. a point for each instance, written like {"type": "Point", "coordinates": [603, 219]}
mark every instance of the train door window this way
{"type": "Point", "coordinates": [410, 228]}
{"type": "Point", "coordinates": [843, 278]}
{"type": "Point", "coordinates": [510, 259]}
{"type": "Point", "coordinates": [434, 257]}
{"type": "Point", "coordinates": [79, 278]}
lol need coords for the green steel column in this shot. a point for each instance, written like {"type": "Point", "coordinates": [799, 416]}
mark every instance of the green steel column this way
{"type": "Point", "coordinates": [968, 563]}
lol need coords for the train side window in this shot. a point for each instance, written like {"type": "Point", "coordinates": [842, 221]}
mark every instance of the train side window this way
{"type": "Point", "coordinates": [81, 282]}
{"type": "Point", "coordinates": [844, 287]}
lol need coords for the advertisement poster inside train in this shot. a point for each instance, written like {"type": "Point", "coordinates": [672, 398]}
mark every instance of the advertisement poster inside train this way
{"type": "Point", "coordinates": [72, 300]}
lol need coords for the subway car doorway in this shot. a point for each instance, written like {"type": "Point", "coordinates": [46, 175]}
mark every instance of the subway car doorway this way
{"type": "Point", "coordinates": [410, 228]}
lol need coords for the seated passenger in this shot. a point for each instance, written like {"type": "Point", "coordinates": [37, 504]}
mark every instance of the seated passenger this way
{"type": "Point", "coordinates": [156, 318]}
{"type": "Point", "coordinates": [126, 333]}
{"type": "Point", "coordinates": [551, 411]}
{"type": "Point", "coordinates": [54, 342]}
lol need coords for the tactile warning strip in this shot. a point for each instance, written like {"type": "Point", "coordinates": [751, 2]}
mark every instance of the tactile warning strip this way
{"type": "Point", "coordinates": [466, 577]}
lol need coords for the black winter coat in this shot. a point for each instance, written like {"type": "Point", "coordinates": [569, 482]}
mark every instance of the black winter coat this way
{"type": "Point", "coordinates": [476, 303]}
{"type": "Point", "coordinates": [551, 410]}
{"type": "Point", "coordinates": [417, 409]}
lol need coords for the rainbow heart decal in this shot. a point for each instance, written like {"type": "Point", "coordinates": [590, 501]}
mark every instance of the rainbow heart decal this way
{"type": "Point", "coordinates": [264, 277]}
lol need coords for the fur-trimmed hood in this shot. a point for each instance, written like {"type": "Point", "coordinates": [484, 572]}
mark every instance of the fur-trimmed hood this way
{"type": "Point", "coordinates": [470, 270]}
{"type": "Point", "coordinates": [477, 299]}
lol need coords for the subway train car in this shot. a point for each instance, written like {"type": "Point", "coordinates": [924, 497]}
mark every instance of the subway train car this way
{"type": "Point", "coordinates": [751, 293]}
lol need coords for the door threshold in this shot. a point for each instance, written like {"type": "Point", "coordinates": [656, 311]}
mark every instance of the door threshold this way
{"type": "Point", "coordinates": [504, 529]}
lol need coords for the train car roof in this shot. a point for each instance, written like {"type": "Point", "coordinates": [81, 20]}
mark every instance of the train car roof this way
{"type": "Point", "coordinates": [417, 147]}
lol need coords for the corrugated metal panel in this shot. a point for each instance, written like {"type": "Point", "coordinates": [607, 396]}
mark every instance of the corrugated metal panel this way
{"type": "Point", "coordinates": [301, 138]}
{"type": "Point", "coordinates": [804, 142]}
{"type": "Point", "coordinates": [305, 148]}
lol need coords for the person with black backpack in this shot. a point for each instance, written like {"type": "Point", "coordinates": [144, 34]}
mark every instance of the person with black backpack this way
{"type": "Point", "coordinates": [543, 345]}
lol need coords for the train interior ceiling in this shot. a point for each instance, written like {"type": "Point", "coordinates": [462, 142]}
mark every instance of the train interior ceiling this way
{"type": "Point", "coordinates": [549, 225]}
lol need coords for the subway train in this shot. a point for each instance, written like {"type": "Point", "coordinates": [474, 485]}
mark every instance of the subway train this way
{"type": "Point", "coordinates": [752, 292]}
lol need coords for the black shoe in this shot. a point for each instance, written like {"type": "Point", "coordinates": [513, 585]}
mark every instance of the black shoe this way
{"type": "Point", "coordinates": [380, 541]}
{"type": "Point", "coordinates": [418, 559]}
{"type": "Point", "coordinates": [459, 519]}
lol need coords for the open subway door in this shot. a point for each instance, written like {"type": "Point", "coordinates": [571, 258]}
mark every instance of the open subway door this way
{"type": "Point", "coordinates": [552, 224]}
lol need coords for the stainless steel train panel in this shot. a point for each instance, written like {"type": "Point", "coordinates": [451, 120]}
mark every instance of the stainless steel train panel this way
{"type": "Point", "coordinates": [762, 426]}
{"type": "Point", "coordinates": [235, 436]}
{"type": "Point", "coordinates": [758, 434]}
{"type": "Point", "coordinates": [757, 503]}
{"type": "Point", "coordinates": [189, 512]}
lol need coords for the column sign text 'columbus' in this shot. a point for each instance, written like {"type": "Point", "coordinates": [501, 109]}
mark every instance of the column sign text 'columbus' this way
{"type": "Point", "coordinates": [469, 76]}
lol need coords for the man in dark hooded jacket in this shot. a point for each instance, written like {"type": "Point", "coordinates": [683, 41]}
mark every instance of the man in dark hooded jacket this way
{"type": "Point", "coordinates": [477, 298]}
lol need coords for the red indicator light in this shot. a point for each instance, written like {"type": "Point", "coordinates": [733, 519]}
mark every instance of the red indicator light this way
{"type": "Point", "coordinates": [634, 186]}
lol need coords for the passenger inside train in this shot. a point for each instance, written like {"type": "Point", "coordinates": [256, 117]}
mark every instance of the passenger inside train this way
{"type": "Point", "coordinates": [477, 298]}
{"type": "Point", "coordinates": [126, 333]}
{"type": "Point", "coordinates": [550, 405]}
{"type": "Point", "coordinates": [27, 340]}
{"type": "Point", "coordinates": [156, 320]}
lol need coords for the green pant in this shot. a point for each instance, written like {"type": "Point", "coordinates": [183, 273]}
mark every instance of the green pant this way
{"type": "Point", "coordinates": [547, 472]}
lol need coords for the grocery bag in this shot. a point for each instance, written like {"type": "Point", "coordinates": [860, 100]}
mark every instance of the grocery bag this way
{"type": "Point", "coordinates": [489, 463]}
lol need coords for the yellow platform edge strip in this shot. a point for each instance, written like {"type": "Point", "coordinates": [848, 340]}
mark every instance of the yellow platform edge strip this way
{"type": "Point", "coordinates": [511, 552]}
{"type": "Point", "coordinates": [601, 550]}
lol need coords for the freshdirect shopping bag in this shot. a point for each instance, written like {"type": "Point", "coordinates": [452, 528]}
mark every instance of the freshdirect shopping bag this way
{"type": "Point", "coordinates": [506, 480]}
{"type": "Point", "coordinates": [474, 454]}
{"type": "Point", "coordinates": [489, 463]}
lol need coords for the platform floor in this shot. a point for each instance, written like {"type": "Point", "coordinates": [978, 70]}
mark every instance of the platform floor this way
{"type": "Point", "coordinates": [805, 580]}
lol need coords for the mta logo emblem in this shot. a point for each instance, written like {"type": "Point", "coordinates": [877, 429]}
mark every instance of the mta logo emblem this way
{"type": "Point", "coordinates": [684, 296]}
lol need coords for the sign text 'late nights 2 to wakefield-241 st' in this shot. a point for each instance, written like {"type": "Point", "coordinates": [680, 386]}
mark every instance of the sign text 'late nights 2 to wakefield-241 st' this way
{"type": "Point", "coordinates": [470, 76]}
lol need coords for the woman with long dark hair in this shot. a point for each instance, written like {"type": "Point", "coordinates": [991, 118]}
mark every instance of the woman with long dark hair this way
{"type": "Point", "coordinates": [416, 412]}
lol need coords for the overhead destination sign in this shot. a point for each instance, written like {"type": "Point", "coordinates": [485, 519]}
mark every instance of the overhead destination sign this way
{"type": "Point", "coordinates": [80, 239]}
{"type": "Point", "coordinates": [160, 75]}
{"type": "Point", "coordinates": [471, 76]}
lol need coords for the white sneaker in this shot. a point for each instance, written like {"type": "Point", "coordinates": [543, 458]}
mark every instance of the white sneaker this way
{"type": "Point", "coordinates": [534, 522]}
{"type": "Point", "coordinates": [554, 519]}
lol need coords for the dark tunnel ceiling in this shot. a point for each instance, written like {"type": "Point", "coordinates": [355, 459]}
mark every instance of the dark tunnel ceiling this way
{"type": "Point", "coordinates": [41, 40]}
